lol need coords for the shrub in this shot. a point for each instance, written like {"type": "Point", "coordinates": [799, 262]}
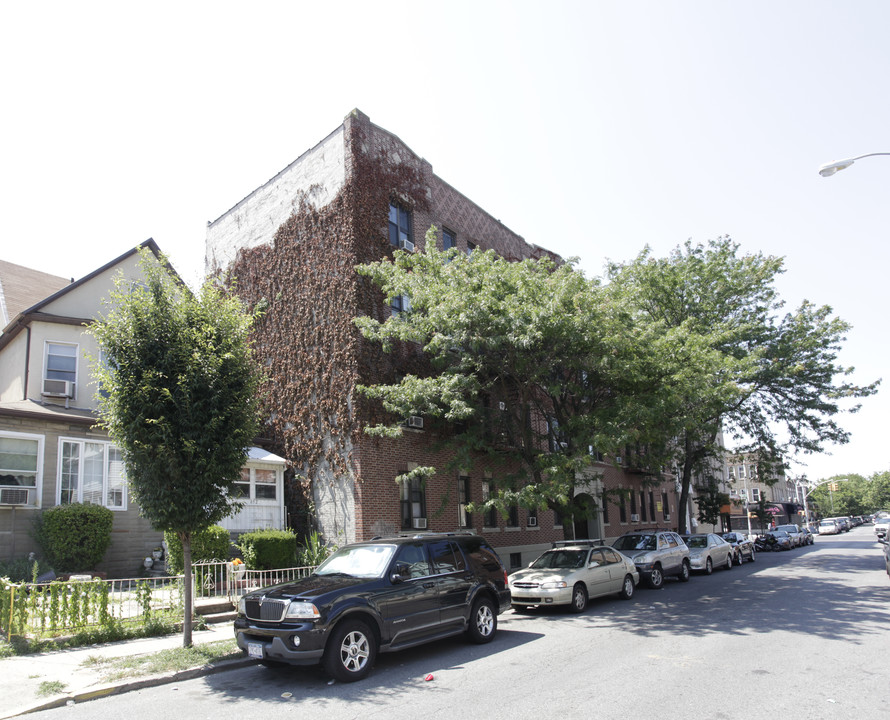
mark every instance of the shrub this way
{"type": "Point", "coordinates": [312, 551]}
{"type": "Point", "coordinates": [74, 537]}
{"type": "Point", "coordinates": [19, 570]}
{"type": "Point", "coordinates": [213, 543]}
{"type": "Point", "coordinates": [268, 549]}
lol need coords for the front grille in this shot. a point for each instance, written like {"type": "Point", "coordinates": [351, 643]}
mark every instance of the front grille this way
{"type": "Point", "coordinates": [266, 610]}
{"type": "Point", "coordinates": [526, 585]}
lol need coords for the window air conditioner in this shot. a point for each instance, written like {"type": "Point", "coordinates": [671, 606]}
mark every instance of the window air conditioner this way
{"type": "Point", "coordinates": [667, 517]}
{"type": "Point", "coordinates": [533, 521]}
{"type": "Point", "coordinates": [58, 388]}
{"type": "Point", "coordinates": [406, 245]}
{"type": "Point", "coordinates": [415, 421]}
{"type": "Point", "coordinates": [13, 496]}
{"type": "Point", "coordinates": [419, 523]}
{"type": "Point", "coordinates": [635, 518]}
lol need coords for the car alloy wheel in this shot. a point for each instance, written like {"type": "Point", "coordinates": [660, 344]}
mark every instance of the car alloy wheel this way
{"type": "Point", "coordinates": [627, 588]}
{"type": "Point", "coordinates": [685, 572]}
{"type": "Point", "coordinates": [483, 621]}
{"type": "Point", "coordinates": [350, 652]}
{"type": "Point", "coordinates": [656, 578]}
{"type": "Point", "coordinates": [709, 567]}
{"type": "Point", "coordinates": [579, 598]}
{"type": "Point", "coordinates": [728, 565]}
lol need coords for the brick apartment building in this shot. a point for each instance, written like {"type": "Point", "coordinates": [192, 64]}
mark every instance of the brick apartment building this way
{"type": "Point", "coordinates": [293, 244]}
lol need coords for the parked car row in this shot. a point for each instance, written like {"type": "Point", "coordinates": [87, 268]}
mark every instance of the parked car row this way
{"type": "Point", "coordinates": [392, 593]}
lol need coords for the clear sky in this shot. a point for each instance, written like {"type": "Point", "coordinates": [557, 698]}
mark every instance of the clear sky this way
{"type": "Point", "coordinates": [591, 128]}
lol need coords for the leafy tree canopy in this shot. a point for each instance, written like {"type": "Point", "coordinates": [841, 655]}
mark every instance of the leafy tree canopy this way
{"type": "Point", "coordinates": [179, 397]}
{"type": "Point", "coordinates": [771, 381]}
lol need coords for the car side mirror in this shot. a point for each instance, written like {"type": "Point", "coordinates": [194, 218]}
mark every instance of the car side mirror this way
{"type": "Point", "coordinates": [400, 574]}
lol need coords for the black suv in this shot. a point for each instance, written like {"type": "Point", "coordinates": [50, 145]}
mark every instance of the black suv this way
{"type": "Point", "coordinates": [380, 595]}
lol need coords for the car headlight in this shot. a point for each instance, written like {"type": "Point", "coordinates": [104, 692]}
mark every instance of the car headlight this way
{"type": "Point", "coordinates": [642, 560]}
{"type": "Point", "coordinates": [242, 605]}
{"type": "Point", "coordinates": [302, 611]}
{"type": "Point", "coordinates": [553, 585]}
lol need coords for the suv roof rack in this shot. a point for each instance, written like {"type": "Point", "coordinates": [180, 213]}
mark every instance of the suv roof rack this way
{"type": "Point", "coordinates": [584, 541]}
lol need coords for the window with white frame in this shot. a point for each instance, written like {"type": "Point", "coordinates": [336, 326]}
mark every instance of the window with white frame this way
{"type": "Point", "coordinates": [60, 364]}
{"type": "Point", "coordinates": [257, 484]}
{"type": "Point", "coordinates": [91, 472]}
{"type": "Point", "coordinates": [755, 494]}
{"type": "Point", "coordinates": [21, 468]}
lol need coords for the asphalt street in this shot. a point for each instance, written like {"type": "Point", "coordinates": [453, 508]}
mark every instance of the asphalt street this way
{"type": "Point", "coordinates": [795, 634]}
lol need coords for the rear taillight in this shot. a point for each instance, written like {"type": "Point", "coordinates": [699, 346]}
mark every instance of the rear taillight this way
{"type": "Point", "coordinates": [506, 584]}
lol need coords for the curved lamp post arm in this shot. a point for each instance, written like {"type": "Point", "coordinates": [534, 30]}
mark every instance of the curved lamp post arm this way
{"type": "Point", "coordinates": [831, 168]}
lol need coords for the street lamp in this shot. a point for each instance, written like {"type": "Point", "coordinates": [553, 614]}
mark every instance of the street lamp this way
{"type": "Point", "coordinates": [838, 165]}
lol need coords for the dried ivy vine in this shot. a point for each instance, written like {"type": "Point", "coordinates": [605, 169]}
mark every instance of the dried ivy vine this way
{"type": "Point", "coordinates": [305, 339]}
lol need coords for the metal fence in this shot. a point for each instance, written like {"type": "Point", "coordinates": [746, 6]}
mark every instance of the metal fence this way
{"type": "Point", "coordinates": [63, 608]}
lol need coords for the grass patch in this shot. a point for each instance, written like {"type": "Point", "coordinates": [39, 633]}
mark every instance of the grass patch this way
{"type": "Point", "coordinates": [165, 661]}
{"type": "Point", "coordinates": [51, 687]}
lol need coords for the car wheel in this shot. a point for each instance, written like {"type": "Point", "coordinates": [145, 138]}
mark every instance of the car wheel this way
{"type": "Point", "coordinates": [483, 621]}
{"type": "Point", "coordinates": [579, 598]}
{"type": "Point", "coordinates": [751, 557]}
{"type": "Point", "coordinates": [728, 565]}
{"type": "Point", "coordinates": [627, 588]}
{"type": "Point", "coordinates": [350, 652]}
{"type": "Point", "coordinates": [739, 558]}
{"type": "Point", "coordinates": [685, 572]}
{"type": "Point", "coordinates": [709, 567]}
{"type": "Point", "coordinates": [656, 578]}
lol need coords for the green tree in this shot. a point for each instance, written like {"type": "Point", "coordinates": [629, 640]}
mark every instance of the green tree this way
{"type": "Point", "coordinates": [530, 363]}
{"type": "Point", "coordinates": [180, 400]}
{"type": "Point", "coordinates": [877, 494]}
{"type": "Point", "coordinates": [709, 500]}
{"type": "Point", "coordinates": [770, 381]}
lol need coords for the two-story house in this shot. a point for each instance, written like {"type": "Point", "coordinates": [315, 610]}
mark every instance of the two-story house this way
{"type": "Point", "coordinates": [51, 450]}
{"type": "Point", "coordinates": [293, 244]}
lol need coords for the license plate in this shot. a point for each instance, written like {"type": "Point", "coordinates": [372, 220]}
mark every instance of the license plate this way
{"type": "Point", "coordinates": [255, 650]}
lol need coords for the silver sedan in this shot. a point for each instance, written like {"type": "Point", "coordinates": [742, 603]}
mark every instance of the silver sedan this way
{"type": "Point", "coordinates": [707, 551]}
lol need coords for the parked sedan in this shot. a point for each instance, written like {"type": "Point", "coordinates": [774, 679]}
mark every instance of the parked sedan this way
{"type": "Point", "coordinates": [829, 527]}
{"type": "Point", "coordinates": [743, 548]}
{"type": "Point", "coordinates": [569, 575]}
{"type": "Point", "coordinates": [707, 551]}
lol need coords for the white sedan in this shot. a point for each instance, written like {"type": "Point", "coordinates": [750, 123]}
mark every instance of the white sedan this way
{"type": "Point", "coordinates": [707, 551]}
{"type": "Point", "coordinates": [571, 574]}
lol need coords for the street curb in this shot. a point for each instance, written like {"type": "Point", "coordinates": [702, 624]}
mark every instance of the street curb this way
{"type": "Point", "coordinates": [152, 681]}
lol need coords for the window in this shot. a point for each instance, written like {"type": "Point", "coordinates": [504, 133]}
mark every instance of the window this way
{"type": "Point", "coordinates": [61, 363]}
{"type": "Point", "coordinates": [400, 304]}
{"type": "Point", "coordinates": [21, 468]}
{"type": "Point", "coordinates": [446, 558]}
{"type": "Point", "coordinates": [605, 511]}
{"type": "Point", "coordinates": [665, 509]}
{"type": "Point", "coordinates": [257, 484]}
{"type": "Point", "coordinates": [532, 516]}
{"type": "Point", "coordinates": [413, 503]}
{"type": "Point", "coordinates": [643, 505]}
{"type": "Point", "coordinates": [515, 561]}
{"type": "Point", "coordinates": [633, 503]}
{"type": "Point", "coordinates": [755, 494]}
{"type": "Point", "coordinates": [91, 472]}
{"type": "Point", "coordinates": [412, 561]}
{"type": "Point", "coordinates": [399, 225]}
{"type": "Point", "coordinates": [741, 469]}
{"type": "Point", "coordinates": [489, 517]}
{"type": "Point", "coordinates": [622, 509]}
{"type": "Point", "coordinates": [513, 516]}
{"type": "Point", "coordinates": [652, 505]}
{"type": "Point", "coordinates": [448, 239]}
{"type": "Point", "coordinates": [744, 494]}
{"type": "Point", "coordinates": [463, 498]}
{"type": "Point", "coordinates": [470, 247]}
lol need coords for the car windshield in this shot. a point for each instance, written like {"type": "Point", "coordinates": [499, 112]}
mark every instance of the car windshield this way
{"type": "Point", "coordinates": [363, 561]}
{"type": "Point", "coordinates": [697, 541]}
{"type": "Point", "coordinates": [635, 542]}
{"type": "Point", "coordinates": [560, 559]}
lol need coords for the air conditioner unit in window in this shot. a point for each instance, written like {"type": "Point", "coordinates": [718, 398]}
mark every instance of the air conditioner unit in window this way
{"type": "Point", "coordinates": [635, 518]}
{"type": "Point", "coordinates": [406, 245]}
{"type": "Point", "coordinates": [13, 496]}
{"type": "Point", "coordinates": [415, 421]}
{"type": "Point", "coordinates": [419, 524]}
{"type": "Point", "coordinates": [533, 521]}
{"type": "Point", "coordinates": [667, 517]}
{"type": "Point", "coordinates": [58, 388]}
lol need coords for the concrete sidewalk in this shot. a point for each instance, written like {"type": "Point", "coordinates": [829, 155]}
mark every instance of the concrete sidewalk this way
{"type": "Point", "coordinates": [21, 677]}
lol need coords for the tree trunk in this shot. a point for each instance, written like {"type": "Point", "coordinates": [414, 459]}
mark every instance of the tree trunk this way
{"type": "Point", "coordinates": [186, 539]}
